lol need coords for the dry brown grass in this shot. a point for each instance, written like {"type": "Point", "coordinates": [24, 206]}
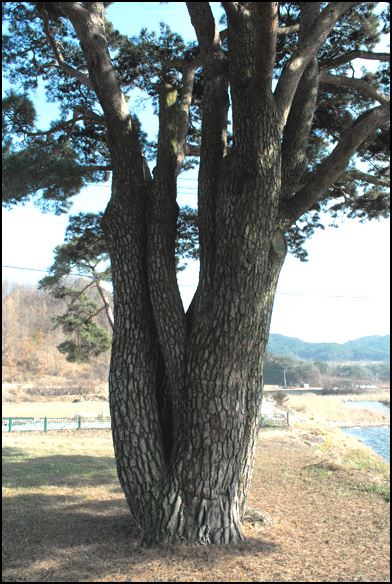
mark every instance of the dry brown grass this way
{"type": "Point", "coordinates": [59, 409]}
{"type": "Point", "coordinates": [54, 389]}
{"type": "Point", "coordinates": [331, 408]}
{"type": "Point", "coordinates": [65, 518]}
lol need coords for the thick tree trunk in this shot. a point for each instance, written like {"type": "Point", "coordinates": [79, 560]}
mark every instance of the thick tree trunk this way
{"type": "Point", "coordinates": [185, 393]}
{"type": "Point", "coordinates": [185, 400]}
{"type": "Point", "coordinates": [199, 494]}
{"type": "Point", "coordinates": [192, 487]}
{"type": "Point", "coordinates": [185, 390]}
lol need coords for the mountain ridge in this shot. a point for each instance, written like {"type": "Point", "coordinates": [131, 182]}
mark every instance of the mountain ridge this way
{"type": "Point", "coordinates": [369, 348]}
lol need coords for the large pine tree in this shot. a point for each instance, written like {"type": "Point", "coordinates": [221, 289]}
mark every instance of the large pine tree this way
{"type": "Point", "coordinates": [186, 388]}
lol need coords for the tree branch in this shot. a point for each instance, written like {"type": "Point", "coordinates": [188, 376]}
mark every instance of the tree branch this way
{"type": "Point", "coordinates": [188, 78]}
{"type": "Point", "coordinates": [192, 150]}
{"type": "Point", "coordinates": [89, 25]}
{"type": "Point", "coordinates": [231, 8]}
{"type": "Point", "coordinates": [360, 84]}
{"type": "Point", "coordinates": [98, 167]}
{"type": "Point", "coordinates": [343, 59]}
{"type": "Point", "coordinates": [96, 313]}
{"type": "Point", "coordinates": [294, 68]}
{"type": "Point", "coordinates": [214, 130]}
{"type": "Point", "coordinates": [266, 27]}
{"type": "Point", "coordinates": [81, 77]}
{"type": "Point", "coordinates": [299, 122]}
{"type": "Point", "coordinates": [62, 126]}
{"type": "Point", "coordinates": [286, 30]}
{"type": "Point", "coordinates": [97, 8]}
{"type": "Point", "coordinates": [206, 30]}
{"type": "Point", "coordinates": [368, 178]}
{"type": "Point", "coordinates": [69, 126]}
{"type": "Point", "coordinates": [81, 292]}
{"type": "Point", "coordinates": [108, 310]}
{"type": "Point", "coordinates": [333, 166]}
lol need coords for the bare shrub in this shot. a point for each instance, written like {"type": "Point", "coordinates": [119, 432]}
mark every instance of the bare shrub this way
{"type": "Point", "coordinates": [280, 397]}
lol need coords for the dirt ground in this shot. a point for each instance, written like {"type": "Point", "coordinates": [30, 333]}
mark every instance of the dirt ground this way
{"type": "Point", "coordinates": [330, 525]}
{"type": "Point", "coordinates": [325, 530]}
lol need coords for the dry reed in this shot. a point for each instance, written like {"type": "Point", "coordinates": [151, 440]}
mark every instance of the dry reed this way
{"type": "Point", "coordinates": [332, 408]}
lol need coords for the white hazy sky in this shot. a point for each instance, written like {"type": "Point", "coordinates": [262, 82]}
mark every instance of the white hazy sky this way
{"type": "Point", "coordinates": [341, 293]}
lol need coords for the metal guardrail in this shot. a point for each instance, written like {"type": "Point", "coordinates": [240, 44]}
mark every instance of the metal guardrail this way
{"type": "Point", "coordinates": [44, 424]}
{"type": "Point", "coordinates": [275, 419]}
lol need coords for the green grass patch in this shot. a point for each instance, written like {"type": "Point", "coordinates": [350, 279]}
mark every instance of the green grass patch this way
{"type": "Point", "coordinates": [366, 460]}
{"type": "Point", "coordinates": [382, 490]}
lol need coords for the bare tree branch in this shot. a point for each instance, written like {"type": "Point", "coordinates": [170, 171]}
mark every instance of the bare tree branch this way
{"type": "Point", "coordinates": [188, 78]}
{"type": "Point", "coordinates": [214, 135]}
{"type": "Point", "coordinates": [286, 30]}
{"type": "Point", "coordinates": [89, 25]}
{"type": "Point", "coordinates": [81, 77]}
{"type": "Point", "coordinates": [108, 310]}
{"type": "Point", "coordinates": [333, 166]}
{"type": "Point", "coordinates": [360, 84]}
{"type": "Point", "coordinates": [293, 70]}
{"type": "Point", "coordinates": [265, 51]}
{"type": "Point", "coordinates": [343, 59]}
{"type": "Point", "coordinates": [299, 122]}
{"type": "Point", "coordinates": [368, 178]}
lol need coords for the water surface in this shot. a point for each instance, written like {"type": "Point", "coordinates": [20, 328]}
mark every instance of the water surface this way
{"type": "Point", "coordinates": [378, 439]}
{"type": "Point", "coordinates": [367, 404]}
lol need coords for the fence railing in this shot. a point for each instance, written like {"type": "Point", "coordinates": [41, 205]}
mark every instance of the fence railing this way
{"type": "Point", "coordinates": [44, 424]}
{"type": "Point", "coordinates": [275, 419]}
{"type": "Point", "coordinates": [17, 424]}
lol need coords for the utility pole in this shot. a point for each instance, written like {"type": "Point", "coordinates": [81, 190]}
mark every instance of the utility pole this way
{"type": "Point", "coordinates": [284, 378]}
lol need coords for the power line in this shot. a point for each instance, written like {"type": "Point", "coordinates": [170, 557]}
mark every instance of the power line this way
{"type": "Point", "coordinates": [75, 274]}
{"type": "Point", "coordinates": [46, 271]}
{"type": "Point", "coordinates": [34, 221]}
{"type": "Point", "coordinates": [195, 286]}
{"type": "Point", "coordinates": [319, 295]}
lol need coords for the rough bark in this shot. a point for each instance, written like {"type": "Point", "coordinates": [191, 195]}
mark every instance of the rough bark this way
{"type": "Point", "coordinates": [186, 390]}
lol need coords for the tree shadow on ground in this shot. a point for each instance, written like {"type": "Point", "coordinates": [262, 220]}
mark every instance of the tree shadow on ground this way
{"type": "Point", "coordinates": [55, 470]}
{"type": "Point", "coordinates": [66, 521]}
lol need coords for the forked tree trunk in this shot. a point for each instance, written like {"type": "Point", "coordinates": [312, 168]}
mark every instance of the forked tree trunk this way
{"type": "Point", "coordinates": [197, 491]}
{"type": "Point", "coordinates": [185, 390]}
{"type": "Point", "coordinates": [186, 467]}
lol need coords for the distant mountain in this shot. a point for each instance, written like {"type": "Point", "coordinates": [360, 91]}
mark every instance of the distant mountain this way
{"type": "Point", "coordinates": [374, 348]}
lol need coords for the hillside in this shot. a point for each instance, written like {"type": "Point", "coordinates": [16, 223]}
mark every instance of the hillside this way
{"type": "Point", "coordinates": [30, 349]}
{"type": "Point", "coordinates": [373, 348]}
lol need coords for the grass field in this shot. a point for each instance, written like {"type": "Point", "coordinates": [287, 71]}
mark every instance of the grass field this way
{"type": "Point", "coordinates": [65, 518]}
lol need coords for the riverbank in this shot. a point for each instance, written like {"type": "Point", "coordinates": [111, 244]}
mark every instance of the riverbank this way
{"type": "Point", "coordinates": [365, 419]}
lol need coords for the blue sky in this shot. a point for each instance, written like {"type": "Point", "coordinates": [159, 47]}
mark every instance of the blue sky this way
{"type": "Point", "coordinates": [341, 293]}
